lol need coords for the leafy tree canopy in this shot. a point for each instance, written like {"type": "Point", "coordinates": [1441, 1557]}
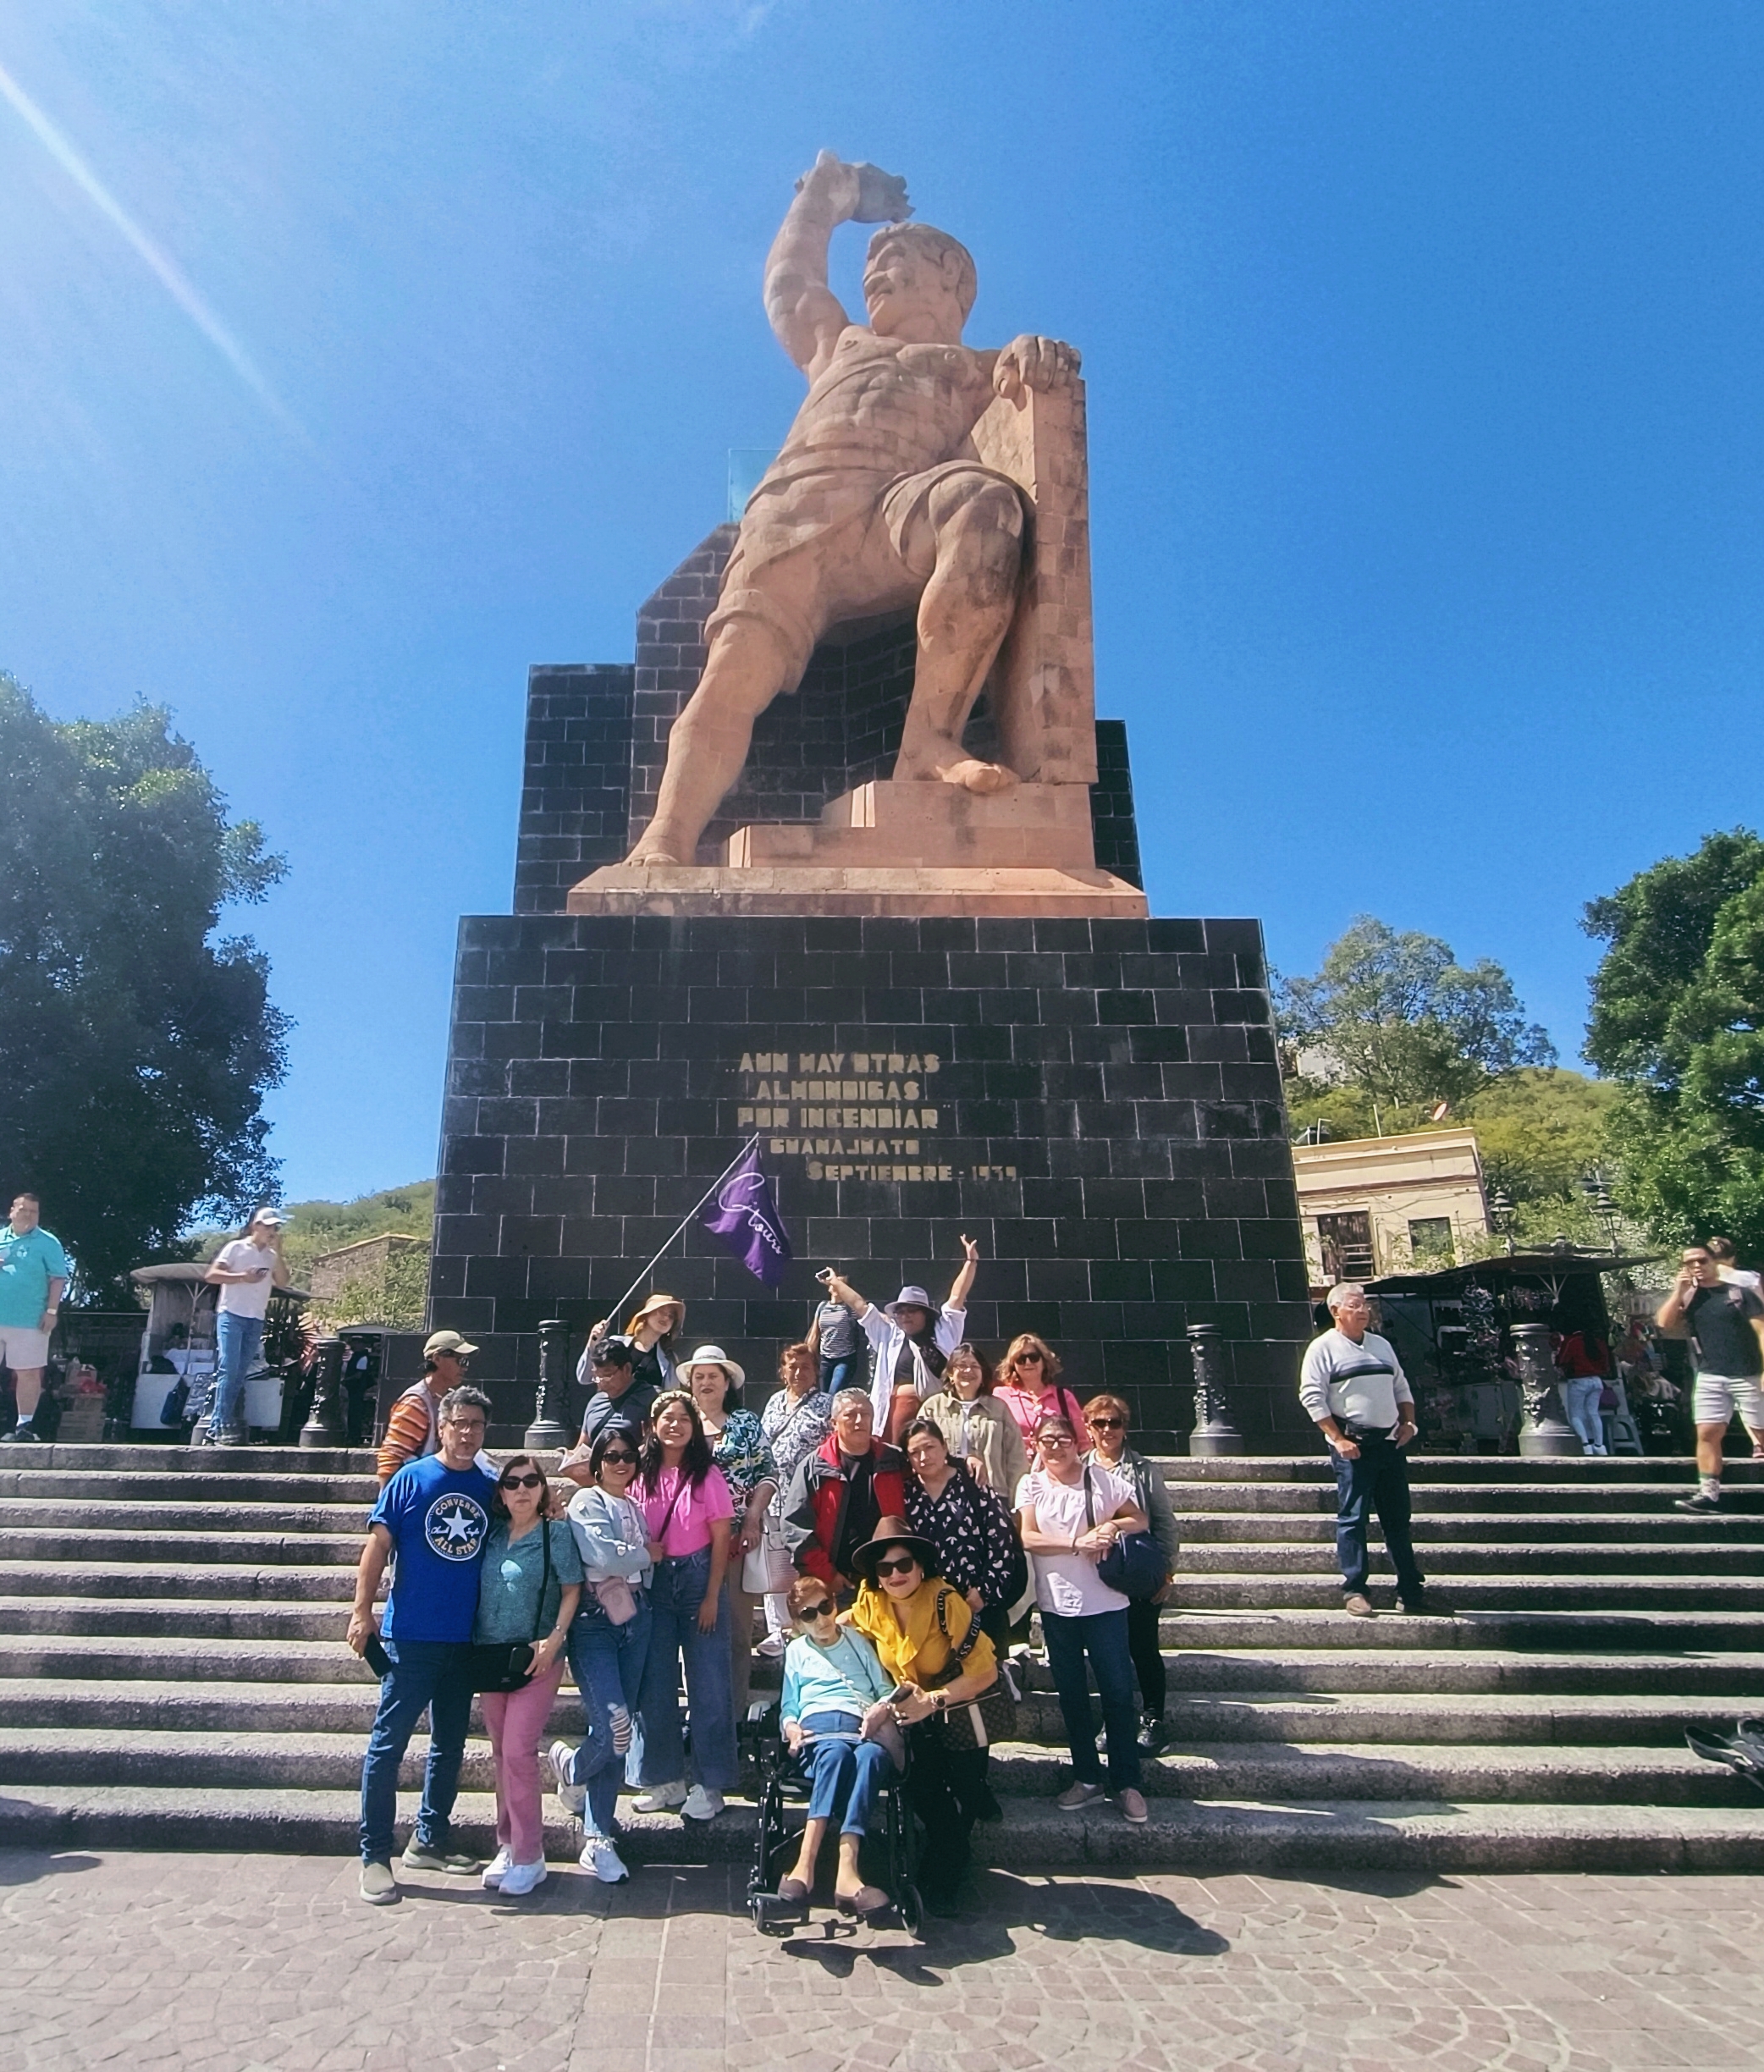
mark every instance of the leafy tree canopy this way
{"type": "Point", "coordinates": [318, 1227]}
{"type": "Point", "coordinates": [1678, 1020]}
{"type": "Point", "coordinates": [135, 1046]}
{"type": "Point", "coordinates": [1399, 1020]}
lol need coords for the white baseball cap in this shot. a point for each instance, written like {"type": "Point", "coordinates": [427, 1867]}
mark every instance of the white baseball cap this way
{"type": "Point", "coordinates": [272, 1217]}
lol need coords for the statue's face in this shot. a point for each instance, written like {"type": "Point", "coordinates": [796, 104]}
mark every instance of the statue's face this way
{"type": "Point", "coordinates": [908, 294]}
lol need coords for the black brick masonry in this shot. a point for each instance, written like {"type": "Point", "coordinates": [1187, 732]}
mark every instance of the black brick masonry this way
{"type": "Point", "coordinates": [1103, 1114]}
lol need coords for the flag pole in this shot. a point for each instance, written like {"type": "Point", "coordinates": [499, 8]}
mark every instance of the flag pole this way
{"type": "Point", "coordinates": [618, 1308]}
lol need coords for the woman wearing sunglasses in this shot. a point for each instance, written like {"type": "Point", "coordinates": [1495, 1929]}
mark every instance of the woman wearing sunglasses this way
{"type": "Point", "coordinates": [919, 1624]}
{"type": "Point", "coordinates": [1070, 1514]}
{"type": "Point", "coordinates": [832, 1685]}
{"type": "Point", "coordinates": [1105, 1420]}
{"type": "Point", "coordinates": [608, 1646]}
{"type": "Point", "coordinates": [1029, 1386]}
{"type": "Point", "coordinates": [516, 1598]}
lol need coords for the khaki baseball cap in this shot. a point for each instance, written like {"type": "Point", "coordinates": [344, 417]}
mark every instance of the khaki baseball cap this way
{"type": "Point", "coordinates": [447, 1341]}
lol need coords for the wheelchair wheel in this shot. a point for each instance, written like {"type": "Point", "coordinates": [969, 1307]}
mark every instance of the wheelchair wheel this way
{"type": "Point", "coordinates": [911, 1910]}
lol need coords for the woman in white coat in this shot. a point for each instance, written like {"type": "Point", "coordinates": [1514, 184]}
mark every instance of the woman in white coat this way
{"type": "Point", "coordinates": [911, 1343]}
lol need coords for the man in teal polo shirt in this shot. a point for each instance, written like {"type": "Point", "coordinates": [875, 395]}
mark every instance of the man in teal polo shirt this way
{"type": "Point", "coordinates": [34, 1276]}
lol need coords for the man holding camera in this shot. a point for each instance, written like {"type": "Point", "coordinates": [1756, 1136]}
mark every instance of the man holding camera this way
{"type": "Point", "coordinates": [1353, 1389]}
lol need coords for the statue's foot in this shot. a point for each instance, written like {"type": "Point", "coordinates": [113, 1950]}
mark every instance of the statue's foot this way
{"type": "Point", "coordinates": [973, 775]}
{"type": "Point", "coordinates": [646, 853]}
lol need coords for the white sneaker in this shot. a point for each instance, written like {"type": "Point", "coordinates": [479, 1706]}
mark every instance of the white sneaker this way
{"type": "Point", "coordinates": [702, 1805]}
{"type": "Point", "coordinates": [663, 1798]}
{"type": "Point", "coordinates": [772, 1648]}
{"type": "Point", "coordinates": [520, 1879]}
{"type": "Point", "coordinates": [496, 1870]}
{"type": "Point", "coordinates": [619, 1720]}
{"type": "Point", "coordinates": [571, 1796]}
{"type": "Point", "coordinates": [599, 1856]}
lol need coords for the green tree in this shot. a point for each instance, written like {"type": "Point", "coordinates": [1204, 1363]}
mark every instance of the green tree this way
{"type": "Point", "coordinates": [1396, 1019]}
{"type": "Point", "coordinates": [1541, 1132]}
{"type": "Point", "coordinates": [1678, 1021]}
{"type": "Point", "coordinates": [135, 1044]}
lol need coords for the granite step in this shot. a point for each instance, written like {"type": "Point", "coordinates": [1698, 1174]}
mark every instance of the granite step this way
{"type": "Point", "coordinates": [154, 1486]}
{"type": "Point", "coordinates": [1534, 1561]}
{"type": "Point", "coordinates": [1285, 1591]}
{"type": "Point", "coordinates": [211, 1584]}
{"type": "Point", "coordinates": [1405, 1835]}
{"type": "Point", "coordinates": [1607, 1632]}
{"type": "Point", "coordinates": [1665, 1530]}
{"type": "Point", "coordinates": [1262, 1499]}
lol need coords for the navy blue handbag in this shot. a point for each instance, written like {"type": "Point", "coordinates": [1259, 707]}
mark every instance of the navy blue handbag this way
{"type": "Point", "coordinates": [1134, 1565]}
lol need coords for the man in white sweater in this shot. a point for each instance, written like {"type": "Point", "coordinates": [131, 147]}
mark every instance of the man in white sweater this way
{"type": "Point", "coordinates": [1353, 1388]}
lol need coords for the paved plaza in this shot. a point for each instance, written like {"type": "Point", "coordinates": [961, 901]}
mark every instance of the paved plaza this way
{"type": "Point", "coordinates": [269, 1963]}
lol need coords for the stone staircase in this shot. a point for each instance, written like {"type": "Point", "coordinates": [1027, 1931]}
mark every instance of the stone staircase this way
{"type": "Point", "coordinates": [172, 1673]}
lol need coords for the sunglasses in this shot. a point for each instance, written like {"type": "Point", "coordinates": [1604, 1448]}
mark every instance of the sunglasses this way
{"type": "Point", "coordinates": [1103, 1424]}
{"type": "Point", "coordinates": [624, 1460]}
{"type": "Point", "coordinates": [1054, 1439]}
{"type": "Point", "coordinates": [1026, 1359]}
{"type": "Point", "coordinates": [526, 1481]}
{"type": "Point", "coordinates": [904, 1566]}
{"type": "Point", "coordinates": [814, 1610]}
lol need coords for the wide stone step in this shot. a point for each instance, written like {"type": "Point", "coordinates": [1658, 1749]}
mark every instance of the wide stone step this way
{"type": "Point", "coordinates": [153, 1486]}
{"type": "Point", "coordinates": [1262, 1666]}
{"type": "Point", "coordinates": [1605, 1631]}
{"type": "Point", "coordinates": [215, 1585]}
{"type": "Point", "coordinates": [1622, 1469]}
{"type": "Point", "coordinates": [1524, 1563]}
{"type": "Point", "coordinates": [1430, 1837]}
{"type": "Point", "coordinates": [148, 1520]}
{"type": "Point", "coordinates": [194, 1544]}
{"type": "Point", "coordinates": [249, 1658]}
{"type": "Point", "coordinates": [1445, 1500]}
{"type": "Point", "coordinates": [149, 1616]}
{"type": "Point", "coordinates": [1281, 1591]}
{"type": "Point", "coordinates": [298, 1462]}
{"type": "Point", "coordinates": [1666, 1531]}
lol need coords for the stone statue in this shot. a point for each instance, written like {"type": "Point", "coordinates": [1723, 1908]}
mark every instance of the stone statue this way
{"type": "Point", "coordinates": [878, 501]}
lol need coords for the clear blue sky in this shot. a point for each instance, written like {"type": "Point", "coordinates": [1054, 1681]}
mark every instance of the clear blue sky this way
{"type": "Point", "coordinates": [1426, 396]}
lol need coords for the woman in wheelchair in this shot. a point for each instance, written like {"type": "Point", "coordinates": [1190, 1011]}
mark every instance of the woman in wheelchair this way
{"type": "Point", "coordinates": [834, 1690]}
{"type": "Point", "coordinates": [923, 1630]}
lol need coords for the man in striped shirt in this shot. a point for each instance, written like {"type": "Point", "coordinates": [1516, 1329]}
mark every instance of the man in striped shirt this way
{"type": "Point", "coordinates": [412, 1430]}
{"type": "Point", "coordinates": [1353, 1389]}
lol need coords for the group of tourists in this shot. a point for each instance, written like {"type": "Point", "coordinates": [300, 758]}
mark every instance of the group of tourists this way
{"type": "Point", "coordinates": [886, 1523]}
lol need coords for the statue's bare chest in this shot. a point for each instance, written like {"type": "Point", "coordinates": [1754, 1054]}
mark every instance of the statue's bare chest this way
{"type": "Point", "coordinates": [929, 391]}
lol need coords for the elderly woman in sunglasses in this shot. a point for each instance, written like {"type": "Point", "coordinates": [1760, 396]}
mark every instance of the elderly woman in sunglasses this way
{"type": "Point", "coordinates": [1029, 1386]}
{"type": "Point", "coordinates": [516, 1599]}
{"type": "Point", "coordinates": [834, 1688]}
{"type": "Point", "coordinates": [1105, 1421]}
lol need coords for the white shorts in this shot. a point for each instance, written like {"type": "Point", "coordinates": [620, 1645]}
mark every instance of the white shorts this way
{"type": "Point", "coordinates": [22, 1349]}
{"type": "Point", "coordinates": [1716, 1397]}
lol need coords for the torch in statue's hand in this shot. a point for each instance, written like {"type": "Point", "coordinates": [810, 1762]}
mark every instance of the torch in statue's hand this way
{"type": "Point", "coordinates": [862, 193]}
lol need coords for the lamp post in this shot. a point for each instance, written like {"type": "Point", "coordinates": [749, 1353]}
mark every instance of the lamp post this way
{"type": "Point", "coordinates": [1214, 1435]}
{"type": "Point", "coordinates": [1599, 1199]}
{"type": "Point", "coordinates": [1500, 1212]}
{"type": "Point", "coordinates": [1544, 1432]}
{"type": "Point", "coordinates": [324, 1422]}
{"type": "Point", "coordinates": [554, 1351]}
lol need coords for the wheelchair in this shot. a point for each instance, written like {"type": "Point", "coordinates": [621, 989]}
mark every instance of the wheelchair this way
{"type": "Point", "coordinates": [782, 1798]}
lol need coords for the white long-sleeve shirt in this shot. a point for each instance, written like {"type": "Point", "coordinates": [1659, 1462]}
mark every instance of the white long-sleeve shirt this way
{"type": "Point", "coordinates": [887, 1338]}
{"type": "Point", "coordinates": [1355, 1384]}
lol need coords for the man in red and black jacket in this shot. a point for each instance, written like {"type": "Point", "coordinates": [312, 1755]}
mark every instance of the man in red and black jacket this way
{"type": "Point", "coordinates": [840, 1493]}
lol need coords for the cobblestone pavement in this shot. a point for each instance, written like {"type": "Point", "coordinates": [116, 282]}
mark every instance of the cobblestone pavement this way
{"type": "Point", "coordinates": [269, 1963]}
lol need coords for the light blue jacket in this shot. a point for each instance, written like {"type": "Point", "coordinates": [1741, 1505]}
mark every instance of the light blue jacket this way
{"type": "Point", "coordinates": [846, 1677]}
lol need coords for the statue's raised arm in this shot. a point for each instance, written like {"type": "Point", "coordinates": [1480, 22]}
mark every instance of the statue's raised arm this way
{"type": "Point", "coordinates": [806, 314]}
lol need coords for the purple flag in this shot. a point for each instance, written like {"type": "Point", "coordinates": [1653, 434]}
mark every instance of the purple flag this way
{"type": "Point", "coordinates": [743, 1214]}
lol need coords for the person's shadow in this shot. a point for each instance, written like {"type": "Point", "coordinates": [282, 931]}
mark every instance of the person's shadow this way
{"type": "Point", "coordinates": [1069, 1910]}
{"type": "Point", "coordinates": [25, 1866]}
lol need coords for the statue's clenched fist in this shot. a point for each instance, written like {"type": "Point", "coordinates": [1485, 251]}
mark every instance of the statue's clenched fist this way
{"type": "Point", "coordinates": [1031, 362]}
{"type": "Point", "coordinates": [862, 193]}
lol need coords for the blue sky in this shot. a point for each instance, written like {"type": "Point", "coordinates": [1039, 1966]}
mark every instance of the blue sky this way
{"type": "Point", "coordinates": [1422, 345]}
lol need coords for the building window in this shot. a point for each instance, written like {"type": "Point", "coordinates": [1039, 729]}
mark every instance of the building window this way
{"type": "Point", "coordinates": [1346, 1243]}
{"type": "Point", "coordinates": [1430, 1237]}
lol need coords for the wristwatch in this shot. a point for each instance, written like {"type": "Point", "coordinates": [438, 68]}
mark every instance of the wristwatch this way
{"type": "Point", "coordinates": [939, 1701]}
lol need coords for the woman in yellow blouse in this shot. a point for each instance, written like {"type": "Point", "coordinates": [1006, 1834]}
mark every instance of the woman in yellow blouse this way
{"type": "Point", "coordinates": [897, 1610]}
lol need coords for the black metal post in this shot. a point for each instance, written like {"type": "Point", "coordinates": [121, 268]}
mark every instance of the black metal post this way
{"type": "Point", "coordinates": [324, 1422]}
{"type": "Point", "coordinates": [545, 1431]}
{"type": "Point", "coordinates": [1544, 1432]}
{"type": "Point", "coordinates": [1214, 1433]}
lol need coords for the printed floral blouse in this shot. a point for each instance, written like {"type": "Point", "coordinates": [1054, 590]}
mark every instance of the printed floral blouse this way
{"type": "Point", "coordinates": [744, 1455]}
{"type": "Point", "coordinates": [796, 1425]}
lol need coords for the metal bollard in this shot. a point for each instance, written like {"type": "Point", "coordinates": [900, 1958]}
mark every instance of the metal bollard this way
{"type": "Point", "coordinates": [545, 1431]}
{"type": "Point", "coordinates": [1214, 1433]}
{"type": "Point", "coordinates": [1544, 1431]}
{"type": "Point", "coordinates": [324, 1422]}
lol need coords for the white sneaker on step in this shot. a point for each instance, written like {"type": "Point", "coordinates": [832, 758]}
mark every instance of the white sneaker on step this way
{"type": "Point", "coordinates": [520, 1879]}
{"type": "Point", "coordinates": [599, 1856]}
{"type": "Point", "coordinates": [571, 1796]}
{"type": "Point", "coordinates": [663, 1798]}
{"type": "Point", "coordinates": [702, 1805]}
{"type": "Point", "coordinates": [496, 1870]}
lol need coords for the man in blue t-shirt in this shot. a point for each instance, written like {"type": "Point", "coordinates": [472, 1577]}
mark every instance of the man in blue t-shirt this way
{"type": "Point", "coordinates": [433, 1519]}
{"type": "Point", "coordinates": [34, 1275]}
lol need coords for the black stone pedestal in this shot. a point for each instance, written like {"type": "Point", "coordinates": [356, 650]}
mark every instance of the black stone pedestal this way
{"type": "Point", "coordinates": [1096, 1102]}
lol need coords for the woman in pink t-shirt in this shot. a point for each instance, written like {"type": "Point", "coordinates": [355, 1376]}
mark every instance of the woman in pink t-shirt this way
{"type": "Point", "coordinates": [1028, 1385]}
{"type": "Point", "coordinates": [688, 1511]}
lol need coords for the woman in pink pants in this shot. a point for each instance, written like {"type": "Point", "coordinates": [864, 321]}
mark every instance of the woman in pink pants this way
{"type": "Point", "coordinates": [529, 1585]}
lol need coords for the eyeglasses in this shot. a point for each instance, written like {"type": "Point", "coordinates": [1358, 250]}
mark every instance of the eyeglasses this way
{"type": "Point", "coordinates": [1054, 1439]}
{"type": "Point", "coordinates": [526, 1481]}
{"type": "Point", "coordinates": [624, 1460]}
{"type": "Point", "coordinates": [1103, 1424]}
{"type": "Point", "coordinates": [904, 1566]}
{"type": "Point", "coordinates": [805, 1612]}
{"type": "Point", "coordinates": [1026, 1359]}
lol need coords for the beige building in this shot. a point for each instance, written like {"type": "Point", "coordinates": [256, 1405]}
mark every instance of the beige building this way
{"type": "Point", "coordinates": [1383, 1204]}
{"type": "Point", "coordinates": [365, 1263]}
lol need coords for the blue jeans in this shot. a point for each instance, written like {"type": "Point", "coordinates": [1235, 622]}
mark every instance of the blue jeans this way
{"type": "Point", "coordinates": [1580, 1399]}
{"type": "Point", "coordinates": [1377, 1482]}
{"type": "Point", "coordinates": [240, 1339]}
{"type": "Point", "coordinates": [844, 1372]}
{"type": "Point", "coordinates": [1101, 1635]}
{"type": "Point", "coordinates": [424, 1673]}
{"type": "Point", "coordinates": [607, 1663]}
{"type": "Point", "coordinates": [674, 1596]}
{"type": "Point", "coordinates": [852, 1770]}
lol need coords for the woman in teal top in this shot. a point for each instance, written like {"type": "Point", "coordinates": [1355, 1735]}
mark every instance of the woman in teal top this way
{"type": "Point", "coordinates": [516, 1600]}
{"type": "Point", "coordinates": [834, 1685]}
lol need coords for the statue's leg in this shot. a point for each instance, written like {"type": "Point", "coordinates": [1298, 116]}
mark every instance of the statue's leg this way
{"type": "Point", "coordinates": [975, 521]}
{"type": "Point", "coordinates": [750, 662]}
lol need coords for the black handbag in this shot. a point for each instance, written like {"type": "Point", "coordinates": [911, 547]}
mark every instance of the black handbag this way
{"type": "Point", "coordinates": [1134, 1565]}
{"type": "Point", "coordinates": [991, 1716]}
{"type": "Point", "coordinates": [508, 1665]}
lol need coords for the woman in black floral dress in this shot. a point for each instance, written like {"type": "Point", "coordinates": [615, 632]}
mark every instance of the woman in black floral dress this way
{"type": "Point", "coordinates": [975, 1536]}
